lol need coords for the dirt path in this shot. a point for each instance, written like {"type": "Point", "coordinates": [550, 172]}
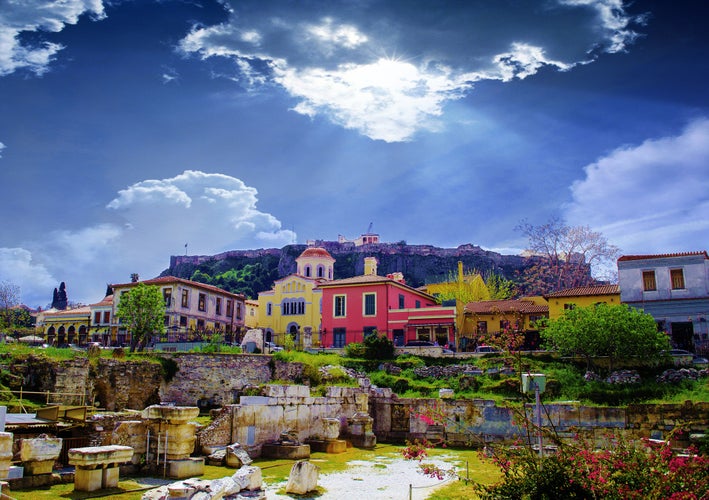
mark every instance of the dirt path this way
{"type": "Point", "coordinates": [385, 478]}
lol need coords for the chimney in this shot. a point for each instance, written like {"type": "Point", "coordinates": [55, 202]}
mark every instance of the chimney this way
{"type": "Point", "coordinates": [370, 266]}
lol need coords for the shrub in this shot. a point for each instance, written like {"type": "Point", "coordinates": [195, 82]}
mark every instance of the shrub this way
{"type": "Point", "coordinates": [355, 350]}
{"type": "Point", "coordinates": [378, 347]}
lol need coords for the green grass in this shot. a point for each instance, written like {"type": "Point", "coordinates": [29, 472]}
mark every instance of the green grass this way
{"type": "Point", "coordinates": [466, 462]}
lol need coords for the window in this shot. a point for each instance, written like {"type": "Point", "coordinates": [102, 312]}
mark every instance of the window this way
{"type": "Point", "coordinates": [649, 284]}
{"type": "Point", "coordinates": [185, 298]}
{"type": "Point", "coordinates": [340, 306]}
{"type": "Point", "coordinates": [370, 304]}
{"type": "Point", "coordinates": [321, 271]}
{"type": "Point", "coordinates": [183, 321]}
{"type": "Point", "coordinates": [482, 327]}
{"type": "Point", "coordinates": [369, 330]}
{"type": "Point", "coordinates": [423, 333]}
{"type": "Point", "coordinates": [200, 325]}
{"type": "Point", "coordinates": [307, 271]}
{"type": "Point", "coordinates": [569, 307]}
{"type": "Point", "coordinates": [238, 311]}
{"type": "Point", "coordinates": [418, 304]}
{"type": "Point", "coordinates": [677, 278]}
{"type": "Point", "coordinates": [167, 320]}
{"type": "Point", "coordinates": [97, 317]}
{"type": "Point", "coordinates": [107, 316]}
{"type": "Point", "coordinates": [167, 295]}
{"type": "Point", "coordinates": [269, 309]}
{"type": "Point", "coordinates": [401, 301]}
{"type": "Point", "coordinates": [229, 306]}
{"type": "Point", "coordinates": [202, 303]}
{"type": "Point", "coordinates": [339, 337]}
{"type": "Point", "coordinates": [218, 306]}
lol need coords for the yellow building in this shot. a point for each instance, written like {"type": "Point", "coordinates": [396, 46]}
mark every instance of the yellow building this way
{"type": "Point", "coordinates": [293, 305]}
{"type": "Point", "coordinates": [60, 328]}
{"type": "Point", "coordinates": [251, 318]}
{"type": "Point", "coordinates": [486, 319]}
{"type": "Point", "coordinates": [582, 296]}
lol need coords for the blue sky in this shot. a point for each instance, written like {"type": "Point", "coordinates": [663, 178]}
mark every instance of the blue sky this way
{"type": "Point", "coordinates": [131, 128]}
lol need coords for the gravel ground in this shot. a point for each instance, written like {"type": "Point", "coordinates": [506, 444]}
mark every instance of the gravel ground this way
{"type": "Point", "coordinates": [382, 479]}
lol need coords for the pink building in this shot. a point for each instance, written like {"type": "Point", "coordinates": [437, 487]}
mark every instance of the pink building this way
{"type": "Point", "coordinates": [355, 307]}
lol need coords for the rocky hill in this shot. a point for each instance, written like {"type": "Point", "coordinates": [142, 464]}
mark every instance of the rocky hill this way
{"type": "Point", "coordinates": [252, 271]}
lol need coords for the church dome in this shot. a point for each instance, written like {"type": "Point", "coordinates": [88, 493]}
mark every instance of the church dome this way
{"type": "Point", "coordinates": [316, 252]}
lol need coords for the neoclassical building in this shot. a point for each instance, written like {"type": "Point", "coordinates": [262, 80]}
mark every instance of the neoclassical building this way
{"type": "Point", "coordinates": [294, 305]}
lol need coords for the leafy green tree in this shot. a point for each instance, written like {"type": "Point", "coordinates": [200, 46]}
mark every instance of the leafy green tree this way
{"type": "Point", "coordinates": [142, 310]}
{"type": "Point", "coordinates": [615, 331]}
{"type": "Point", "coordinates": [499, 287]}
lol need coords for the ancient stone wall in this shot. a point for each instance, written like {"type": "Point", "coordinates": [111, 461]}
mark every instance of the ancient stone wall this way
{"type": "Point", "coordinates": [480, 421]}
{"type": "Point", "coordinates": [260, 419]}
{"type": "Point", "coordinates": [72, 385]}
{"type": "Point", "coordinates": [120, 384]}
{"type": "Point", "coordinates": [214, 379]}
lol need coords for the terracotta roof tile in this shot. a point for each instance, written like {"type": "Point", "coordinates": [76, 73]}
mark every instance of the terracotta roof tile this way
{"type": "Point", "coordinates": [502, 306]}
{"type": "Point", "coordinates": [663, 255]}
{"type": "Point", "coordinates": [164, 280]}
{"type": "Point", "coordinates": [582, 291]}
{"type": "Point", "coordinates": [318, 252]}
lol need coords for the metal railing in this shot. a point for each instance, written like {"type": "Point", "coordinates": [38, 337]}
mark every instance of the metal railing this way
{"type": "Point", "coordinates": [48, 394]}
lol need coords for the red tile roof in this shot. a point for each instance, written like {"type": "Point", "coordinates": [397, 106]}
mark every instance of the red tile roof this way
{"type": "Point", "coordinates": [316, 252]}
{"type": "Point", "coordinates": [583, 291]}
{"type": "Point", "coordinates": [505, 306]}
{"type": "Point", "coordinates": [107, 301]}
{"type": "Point", "coordinates": [83, 310]}
{"type": "Point", "coordinates": [663, 255]}
{"type": "Point", "coordinates": [166, 280]}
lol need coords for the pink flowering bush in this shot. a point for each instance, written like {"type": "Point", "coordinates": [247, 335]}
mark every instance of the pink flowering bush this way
{"type": "Point", "coordinates": [620, 470]}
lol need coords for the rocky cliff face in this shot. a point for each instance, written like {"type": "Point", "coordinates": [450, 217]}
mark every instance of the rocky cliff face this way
{"type": "Point", "coordinates": [420, 264]}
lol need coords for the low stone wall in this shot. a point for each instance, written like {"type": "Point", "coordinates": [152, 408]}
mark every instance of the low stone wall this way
{"type": "Point", "coordinates": [477, 421]}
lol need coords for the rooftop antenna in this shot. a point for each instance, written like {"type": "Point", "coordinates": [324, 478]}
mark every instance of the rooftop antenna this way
{"type": "Point", "coordinates": [185, 248]}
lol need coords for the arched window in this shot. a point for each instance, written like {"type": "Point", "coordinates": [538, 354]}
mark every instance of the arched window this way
{"type": "Point", "coordinates": [306, 271]}
{"type": "Point", "coordinates": [321, 271]}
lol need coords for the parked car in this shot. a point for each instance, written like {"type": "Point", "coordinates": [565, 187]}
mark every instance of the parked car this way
{"type": "Point", "coordinates": [486, 349]}
{"type": "Point", "coordinates": [700, 361]}
{"type": "Point", "coordinates": [419, 343]}
{"type": "Point", "coordinates": [271, 347]}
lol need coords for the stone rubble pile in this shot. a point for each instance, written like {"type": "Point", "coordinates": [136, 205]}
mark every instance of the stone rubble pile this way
{"type": "Point", "coordinates": [624, 377]}
{"type": "Point", "coordinates": [619, 377]}
{"type": "Point", "coordinates": [327, 370]}
{"type": "Point", "coordinates": [673, 376]}
{"type": "Point", "coordinates": [442, 371]}
{"type": "Point", "coordinates": [247, 482]}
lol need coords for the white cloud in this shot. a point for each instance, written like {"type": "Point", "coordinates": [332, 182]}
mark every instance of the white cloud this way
{"type": "Point", "coordinates": [329, 33]}
{"type": "Point", "coordinates": [387, 100]}
{"type": "Point", "coordinates": [2, 146]}
{"type": "Point", "coordinates": [636, 194]}
{"type": "Point", "coordinates": [35, 281]}
{"type": "Point", "coordinates": [613, 20]}
{"type": "Point", "coordinates": [210, 212]}
{"type": "Point", "coordinates": [338, 68]}
{"type": "Point", "coordinates": [35, 16]}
